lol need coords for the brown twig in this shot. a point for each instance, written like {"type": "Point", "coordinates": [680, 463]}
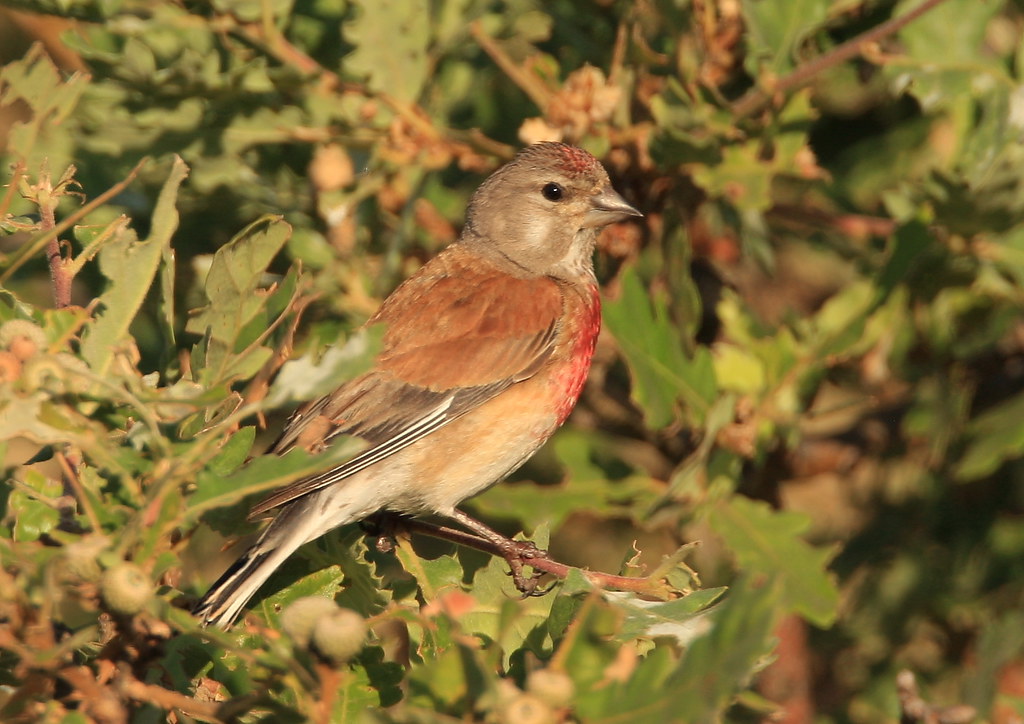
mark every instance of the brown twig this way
{"type": "Point", "coordinates": [166, 699]}
{"type": "Point", "coordinates": [854, 225]}
{"type": "Point", "coordinates": [529, 84]}
{"type": "Point", "coordinates": [330, 685]}
{"type": "Point", "coordinates": [58, 274]}
{"type": "Point", "coordinates": [547, 565]}
{"type": "Point", "coordinates": [26, 252]}
{"type": "Point", "coordinates": [757, 98]}
{"type": "Point", "coordinates": [75, 483]}
{"type": "Point", "coordinates": [915, 710]}
{"type": "Point", "coordinates": [17, 171]}
{"type": "Point", "coordinates": [257, 389]}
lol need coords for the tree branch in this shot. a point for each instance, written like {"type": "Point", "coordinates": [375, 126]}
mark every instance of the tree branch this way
{"type": "Point", "coordinates": [756, 98]}
{"type": "Point", "coordinates": [645, 584]}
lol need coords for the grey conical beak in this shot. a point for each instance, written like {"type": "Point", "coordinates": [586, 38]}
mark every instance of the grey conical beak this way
{"type": "Point", "coordinates": [608, 207]}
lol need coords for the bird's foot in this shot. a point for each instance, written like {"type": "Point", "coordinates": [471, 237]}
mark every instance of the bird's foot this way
{"type": "Point", "coordinates": [518, 555]}
{"type": "Point", "coordinates": [382, 527]}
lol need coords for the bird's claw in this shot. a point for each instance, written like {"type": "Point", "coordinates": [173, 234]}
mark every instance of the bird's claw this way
{"type": "Point", "coordinates": [384, 544]}
{"type": "Point", "coordinates": [518, 554]}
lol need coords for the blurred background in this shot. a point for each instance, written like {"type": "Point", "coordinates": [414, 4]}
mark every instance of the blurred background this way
{"type": "Point", "coordinates": [821, 309]}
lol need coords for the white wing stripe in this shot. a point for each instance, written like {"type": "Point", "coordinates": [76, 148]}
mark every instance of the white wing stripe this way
{"type": "Point", "coordinates": [424, 426]}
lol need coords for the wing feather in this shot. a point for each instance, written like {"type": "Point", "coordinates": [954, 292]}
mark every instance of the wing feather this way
{"type": "Point", "coordinates": [458, 334]}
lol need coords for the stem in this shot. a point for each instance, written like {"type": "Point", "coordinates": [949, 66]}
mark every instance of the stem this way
{"type": "Point", "coordinates": [75, 483]}
{"type": "Point", "coordinates": [16, 173]}
{"type": "Point", "coordinates": [756, 99]}
{"type": "Point", "coordinates": [58, 273]}
{"type": "Point", "coordinates": [539, 93]}
{"type": "Point", "coordinates": [18, 259]}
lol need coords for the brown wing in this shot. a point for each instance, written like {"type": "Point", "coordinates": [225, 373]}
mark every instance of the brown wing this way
{"type": "Point", "coordinates": [458, 333]}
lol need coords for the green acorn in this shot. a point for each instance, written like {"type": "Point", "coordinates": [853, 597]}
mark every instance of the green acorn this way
{"type": "Point", "coordinates": [126, 589]}
{"type": "Point", "coordinates": [525, 709]}
{"type": "Point", "coordinates": [339, 636]}
{"type": "Point", "coordinates": [552, 687]}
{"type": "Point", "coordinates": [298, 619]}
{"type": "Point", "coordinates": [22, 338]}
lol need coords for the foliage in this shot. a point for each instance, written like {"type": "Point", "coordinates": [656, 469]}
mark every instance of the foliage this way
{"type": "Point", "coordinates": [812, 363]}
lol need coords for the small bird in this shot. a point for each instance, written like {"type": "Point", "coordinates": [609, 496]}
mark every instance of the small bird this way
{"type": "Point", "coordinates": [485, 352]}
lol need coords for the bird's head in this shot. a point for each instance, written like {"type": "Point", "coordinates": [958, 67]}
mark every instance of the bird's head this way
{"type": "Point", "coordinates": [539, 214]}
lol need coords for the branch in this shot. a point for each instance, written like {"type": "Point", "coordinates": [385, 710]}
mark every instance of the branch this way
{"type": "Point", "coordinates": [646, 584]}
{"type": "Point", "coordinates": [166, 699]}
{"type": "Point", "coordinates": [756, 99]}
{"type": "Point", "coordinates": [532, 86]}
{"type": "Point", "coordinates": [915, 710]}
{"type": "Point", "coordinates": [58, 274]}
{"type": "Point", "coordinates": [29, 250]}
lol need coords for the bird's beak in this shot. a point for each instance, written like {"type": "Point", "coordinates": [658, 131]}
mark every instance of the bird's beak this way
{"type": "Point", "coordinates": [607, 207]}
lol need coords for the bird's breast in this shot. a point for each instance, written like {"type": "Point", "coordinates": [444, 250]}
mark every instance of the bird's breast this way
{"type": "Point", "coordinates": [583, 315]}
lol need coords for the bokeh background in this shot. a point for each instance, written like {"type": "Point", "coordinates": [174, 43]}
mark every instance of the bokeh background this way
{"type": "Point", "coordinates": [812, 361]}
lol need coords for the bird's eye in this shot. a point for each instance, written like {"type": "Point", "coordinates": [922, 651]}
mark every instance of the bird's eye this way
{"type": "Point", "coordinates": [552, 192]}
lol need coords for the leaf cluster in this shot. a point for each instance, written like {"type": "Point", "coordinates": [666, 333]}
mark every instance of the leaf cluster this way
{"type": "Point", "coordinates": [811, 366]}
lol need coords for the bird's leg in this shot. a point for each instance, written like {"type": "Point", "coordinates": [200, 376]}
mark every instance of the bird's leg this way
{"type": "Point", "coordinates": [384, 525]}
{"type": "Point", "coordinates": [516, 553]}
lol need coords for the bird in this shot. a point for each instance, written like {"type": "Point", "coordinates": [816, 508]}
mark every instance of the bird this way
{"type": "Point", "coordinates": [485, 352]}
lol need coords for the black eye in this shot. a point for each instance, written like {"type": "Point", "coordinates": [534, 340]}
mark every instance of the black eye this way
{"type": "Point", "coordinates": [552, 192]}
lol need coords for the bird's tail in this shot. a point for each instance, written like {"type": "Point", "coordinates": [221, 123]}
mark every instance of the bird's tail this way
{"type": "Point", "coordinates": [226, 598]}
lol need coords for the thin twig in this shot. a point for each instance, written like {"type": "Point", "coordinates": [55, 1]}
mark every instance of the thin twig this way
{"type": "Point", "coordinates": [16, 173]}
{"type": "Point", "coordinates": [532, 86]}
{"type": "Point", "coordinates": [58, 273]}
{"type": "Point", "coordinates": [166, 699]}
{"type": "Point", "coordinates": [756, 99]}
{"type": "Point", "coordinates": [26, 252]}
{"type": "Point", "coordinates": [75, 483]}
{"type": "Point", "coordinates": [915, 710]}
{"type": "Point", "coordinates": [257, 388]}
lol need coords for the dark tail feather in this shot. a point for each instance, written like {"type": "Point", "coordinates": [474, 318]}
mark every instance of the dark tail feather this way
{"type": "Point", "coordinates": [297, 523]}
{"type": "Point", "coordinates": [226, 598]}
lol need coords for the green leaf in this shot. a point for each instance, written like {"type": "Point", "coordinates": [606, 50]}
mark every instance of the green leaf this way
{"type": "Point", "coordinates": [682, 619]}
{"type": "Point", "coordinates": [131, 266]}
{"type": "Point", "coordinates": [35, 81]}
{"type": "Point", "coordinates": [741, 176]}
{"type": "Point", "coordinates": [33, 506]}
{"type": "Point", "coordinates": [325, 583]}
{"type": "Point", "coordinates": [946, 45]}
{"type": "Point", "coordinates": [236, 300]}
{"type": "Point", "coordinates": [719, 665]}
{"type": "Point", "coordinates": [995, 436]}
{"type": "Point", "coordinates": [234, 452]}
{"type": "Point", "coordinates": [769, 543]}
{"type": "Point", "coordinates": [664, 377]}
{"type": "Point", "coordinates": [391, 38]}
{"type": "Point", "coordinates": [432, 575]}
{"type": "Point", "coordinates": [777, 28]}
{"type": "Point", "coordinates": [906, 251]}
{"type": "Point", "coordinates": [306, 378]}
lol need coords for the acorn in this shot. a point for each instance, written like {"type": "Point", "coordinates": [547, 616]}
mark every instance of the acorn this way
{"type": "Point", "coordinates": [126, 589]}
{"type": "Point", "coordinates": [10, 366]}
{"type": "Point", "coordinates": [22, 338]}
{"type": "Point", "coordinates": [552, 687]}
{"type": "Point", "coordinates": [57, 373]}
{"type": "Point", "coordinates": [298, 619]}
{"type": "Point", "coordinates": [525, 709]}
{"type": "Point", "coordinates": [339, 636]}
{"type": "Point", "coordinates": [331, 168]}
